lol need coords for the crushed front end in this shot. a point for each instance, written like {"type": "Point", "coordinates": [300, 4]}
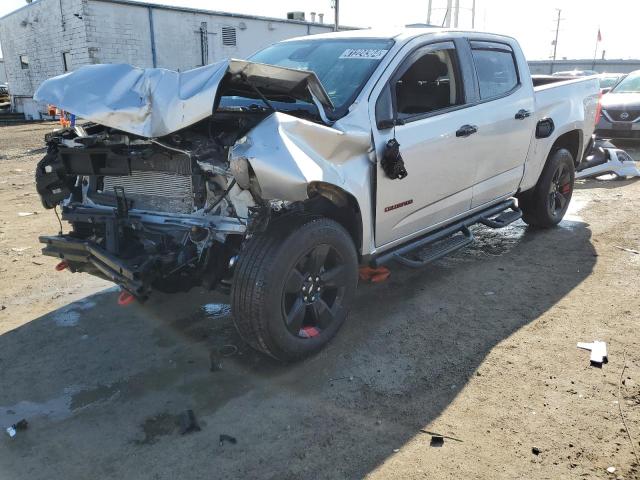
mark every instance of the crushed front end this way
{"type": "Point", "coordinates": [163, 214]}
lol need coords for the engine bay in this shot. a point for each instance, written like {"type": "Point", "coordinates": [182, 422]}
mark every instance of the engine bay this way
{"type": "Point", "coordinates": [164, 213]}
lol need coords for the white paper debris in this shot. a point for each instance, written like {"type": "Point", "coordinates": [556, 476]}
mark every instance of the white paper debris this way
{"type": "Point", "coordinates": [598, 351]}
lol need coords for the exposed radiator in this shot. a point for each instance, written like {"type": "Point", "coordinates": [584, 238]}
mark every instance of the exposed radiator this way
{"type": "Point", "coordinates": [157, 191]}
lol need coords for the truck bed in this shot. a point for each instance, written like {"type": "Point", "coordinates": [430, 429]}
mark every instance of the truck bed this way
{"type": "Point", "coordinates": [572, 104]}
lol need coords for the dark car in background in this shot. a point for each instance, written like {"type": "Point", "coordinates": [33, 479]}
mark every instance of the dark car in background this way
{"type": "Point", "coordinates": [621, 110]}
{"type": "Point", "coordinates": [609, 80]}
{"type": "Point", "coordinates": [5, 100]}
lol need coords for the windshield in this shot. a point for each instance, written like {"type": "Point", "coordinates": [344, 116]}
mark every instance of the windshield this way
{"type": "Point", "coordinates": [342, 66]}
{"type": "Point", "coordinates": [631, 84]}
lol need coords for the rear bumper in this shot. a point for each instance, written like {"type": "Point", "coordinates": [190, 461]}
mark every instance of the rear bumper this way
{"type": "Point", "coordinates": [82, 255]}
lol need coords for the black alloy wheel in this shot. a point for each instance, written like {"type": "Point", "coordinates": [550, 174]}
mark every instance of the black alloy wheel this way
{"type": "Point", "coordinates": [314, 292]}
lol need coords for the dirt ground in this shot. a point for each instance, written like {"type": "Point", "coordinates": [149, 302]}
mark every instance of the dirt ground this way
{"type": "Point", "coordinates": [480, 347]}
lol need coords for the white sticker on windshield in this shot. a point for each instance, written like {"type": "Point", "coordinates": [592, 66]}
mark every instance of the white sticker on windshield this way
{"type": "Point", "coordinates": [366, 53]}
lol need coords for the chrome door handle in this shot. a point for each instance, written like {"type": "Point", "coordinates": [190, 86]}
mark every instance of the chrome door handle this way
{"type": "Point", "coordinates": [466, 130]}
{"type": "Point", "coordinates": [522, 114]}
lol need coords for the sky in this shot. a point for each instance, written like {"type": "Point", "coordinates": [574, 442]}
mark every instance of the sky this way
{"type": "Point", "coordinates": [532, 22]}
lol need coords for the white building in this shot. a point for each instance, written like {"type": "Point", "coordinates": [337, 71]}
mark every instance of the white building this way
{"type": "Point", "coordinates": [49, 37]}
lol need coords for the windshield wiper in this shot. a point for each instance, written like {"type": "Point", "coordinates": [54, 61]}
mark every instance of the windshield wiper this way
{"type": "Point", "coordinates": [259, 93]}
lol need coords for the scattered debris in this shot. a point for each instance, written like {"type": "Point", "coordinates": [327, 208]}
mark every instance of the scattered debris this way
{"type": "Point", "coordinates": [19, 249]}
{"type": "Point", "coordinates": [439, 435]}
{"type": "Point", "coordinates": [607, 161]}
{"type": "Point", "coordinates": [630, 250]}
{"type": "Point", "coordinates": [188, 422]}
{"type": "Point", "coordinates": [217, 309]}
{"type": "Point", "coordinates": [488, 294]}
{"type": "Point", "coordinates": [436, 441]}
{"type": "Point", "coordinates": [228, 350]}
{"type": "Point", "coordinates": [227, 438]}
{"type": "Point", "coordinates": [26, 214]}
{"type": "Point", "coordinates": [611, 469]}
{"type": "Point", "coordinates": [374, 275]}
{"type": "Point", "coordinates": [536, 450]}
{"type": "Point", "coordinates": [598, 352]}
{"type": "Point", "coordinates": [13, 430]}
{"type": "Point", "coordinates": [215, 361]}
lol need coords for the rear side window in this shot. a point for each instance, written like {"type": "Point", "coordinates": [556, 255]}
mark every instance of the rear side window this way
{"type": "Point", "coordinates": [496, 69]}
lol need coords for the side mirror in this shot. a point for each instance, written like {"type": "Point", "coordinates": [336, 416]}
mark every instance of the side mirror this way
{"type": "Point", "coordinates": [385, 117]}
{"type": "Point", "coordinates": [605, 90]}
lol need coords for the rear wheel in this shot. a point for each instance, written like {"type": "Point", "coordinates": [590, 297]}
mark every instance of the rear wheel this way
{"type": "Point", "coordinates": [293, 286]}
{"type": "Point", "coordinates": [547, 203]}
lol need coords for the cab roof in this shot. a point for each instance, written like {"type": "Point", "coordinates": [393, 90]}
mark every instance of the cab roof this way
{"type": "Point", "coordinates": [399, 34]}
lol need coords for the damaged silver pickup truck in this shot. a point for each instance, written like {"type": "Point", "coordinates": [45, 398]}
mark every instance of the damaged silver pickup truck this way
{"type": "Point", "coordinates": [275, 179]}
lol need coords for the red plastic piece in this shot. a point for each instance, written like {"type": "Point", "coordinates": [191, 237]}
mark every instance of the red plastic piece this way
{"type": "Point", "coordinates": [125, 298]}
{"type": "Point", "coordinates": [63, 265]}
{"type": "Point", "coordinates": [374, 275]}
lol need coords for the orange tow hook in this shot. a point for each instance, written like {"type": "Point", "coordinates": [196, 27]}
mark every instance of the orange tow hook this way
{"type": "Point", "coordinates": [125, 298]}
{"type": "Point", "coordinates": [63, 265]}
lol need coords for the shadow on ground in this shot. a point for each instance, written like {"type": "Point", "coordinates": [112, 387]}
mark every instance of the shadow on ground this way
{"type": "Point", "coordinates": [103, 386]}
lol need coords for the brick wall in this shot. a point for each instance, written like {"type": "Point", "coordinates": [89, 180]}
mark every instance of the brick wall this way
{"type": "Point", "coordinates": [42, 32]}
{"type": "Point", "coordinates": [99, 31]}
{"type": "Point", "coordinates": [118, 34]}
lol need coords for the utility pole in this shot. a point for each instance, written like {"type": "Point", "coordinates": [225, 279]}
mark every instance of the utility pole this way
{"type": "Point", "coordinates": [473, 15]}
{"type": "Point", "coordinates": [555, 42]}
{"type": "Point", "coordinates": [456, 14]}
{"type": "Point", "coordinates": [447, 15]}
{"type": "Point", "coordinates": [336, 6]}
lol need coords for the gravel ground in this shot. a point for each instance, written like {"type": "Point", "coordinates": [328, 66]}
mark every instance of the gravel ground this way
{"type": "Point", "coordinates": [480, 347]}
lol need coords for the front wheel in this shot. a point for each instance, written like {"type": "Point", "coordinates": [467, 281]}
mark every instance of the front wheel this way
{"type": "Point", "coordinates": [293, 286]}
{"type": "Point", "coordinates": [546, 204]}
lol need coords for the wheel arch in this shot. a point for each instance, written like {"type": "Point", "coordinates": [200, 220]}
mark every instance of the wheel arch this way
{"type": "Point", "coordinates": [339, 205]}
{"type": "Point", "coordinates": [571, 141]}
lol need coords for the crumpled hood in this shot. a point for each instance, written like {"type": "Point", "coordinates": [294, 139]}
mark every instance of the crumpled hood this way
{"type": "Point", "coordinates": [621, 101]}
{"type": "Point", "coordinates": [154, 102]}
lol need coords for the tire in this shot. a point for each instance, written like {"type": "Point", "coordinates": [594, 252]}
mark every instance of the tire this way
{"type": "Point", "coordinates": [293, 286]}
{"type": "Point", "coordinates": [546, 204]}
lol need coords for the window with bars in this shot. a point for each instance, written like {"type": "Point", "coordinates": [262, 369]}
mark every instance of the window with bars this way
{"type": "Point", "coordinates": [24, 62]}
{"type": "Point", "coordinates": [229, 36]}
{"type": "Point", "coordinates": [66, 60]}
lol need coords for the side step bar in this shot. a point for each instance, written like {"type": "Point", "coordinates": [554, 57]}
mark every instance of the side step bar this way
{"type": "Point", "coordinates": [451, 238]}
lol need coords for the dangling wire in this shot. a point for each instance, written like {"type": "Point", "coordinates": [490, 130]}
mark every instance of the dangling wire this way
{"type": "Point", "coordinates": [55, 209]}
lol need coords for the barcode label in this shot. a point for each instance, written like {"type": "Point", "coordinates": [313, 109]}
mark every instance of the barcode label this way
{"type": "Point", "coordinates": [366, 53]}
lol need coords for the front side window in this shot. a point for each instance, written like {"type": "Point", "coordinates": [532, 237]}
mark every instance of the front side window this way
{"type": "Point", "coordinates": [496, 70]}
{"type": "Point", "coordinates": [429, 84]}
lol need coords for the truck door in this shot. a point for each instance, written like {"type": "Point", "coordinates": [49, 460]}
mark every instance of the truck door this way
{"type": "Point", "coordinates": [505, 123]}
{"type": "Point", "coordinates": [424, 107]}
